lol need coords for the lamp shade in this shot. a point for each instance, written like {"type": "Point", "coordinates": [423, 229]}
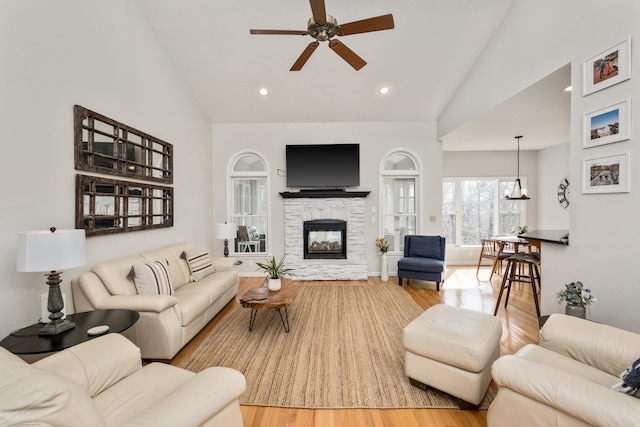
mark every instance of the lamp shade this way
{"type": "Point", "coordinates": [50, 250]}
{"type": "Point", "coordinates": [225, 231]}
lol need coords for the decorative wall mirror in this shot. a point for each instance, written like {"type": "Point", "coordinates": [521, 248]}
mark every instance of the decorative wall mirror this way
{"type": "Point", "coordinates": [105, 206]}
{"type": "Point", "coordinates": [106, 146]}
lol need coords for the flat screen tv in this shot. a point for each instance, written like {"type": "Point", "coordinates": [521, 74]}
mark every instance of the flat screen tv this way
{"type": "Point", "coordinates": [323, 165]}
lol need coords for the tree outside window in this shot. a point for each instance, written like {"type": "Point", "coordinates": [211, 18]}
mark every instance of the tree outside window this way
{"type": "Point", "coordinates": [474, 209]}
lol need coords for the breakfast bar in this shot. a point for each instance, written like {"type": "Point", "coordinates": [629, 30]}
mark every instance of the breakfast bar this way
{"type": "Point", "coordinates": [560, 237]}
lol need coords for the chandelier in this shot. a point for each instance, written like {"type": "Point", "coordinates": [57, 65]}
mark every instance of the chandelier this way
{"type": "Point", "coordinates": [518, 193]}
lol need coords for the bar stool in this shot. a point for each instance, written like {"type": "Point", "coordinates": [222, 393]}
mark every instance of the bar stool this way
{"type": "Point", "coordinates": [517, 266]}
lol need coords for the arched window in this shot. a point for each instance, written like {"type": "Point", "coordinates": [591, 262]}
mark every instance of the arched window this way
{"type": "Point", "coordinates": [249, 190]}
{"type": "Point", "coordinates": [399, 177]}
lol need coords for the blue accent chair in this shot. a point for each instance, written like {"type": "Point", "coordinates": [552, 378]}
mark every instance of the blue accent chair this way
{"type": "Point", "coordinates": [423, 259]}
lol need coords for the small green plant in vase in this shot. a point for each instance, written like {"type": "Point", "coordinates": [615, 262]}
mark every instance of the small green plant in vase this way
{"type": "Point", "coordinates": [275, 271]}
{"type": "Point", "coordinates": [577, 298]}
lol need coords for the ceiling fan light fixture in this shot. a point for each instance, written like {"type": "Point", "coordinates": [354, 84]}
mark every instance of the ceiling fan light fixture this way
{"type": "Point", "coordinates": [323, 32]}
{"type": "Point", "coordinates": [517, 193]}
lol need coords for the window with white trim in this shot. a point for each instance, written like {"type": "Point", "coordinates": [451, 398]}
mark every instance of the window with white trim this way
{"type": "Point", "coordinates": [475, 209]}
{"type": "Point", "coordinates": [399, 198]}
{"type": "Point", "coordinates": [249, 202]}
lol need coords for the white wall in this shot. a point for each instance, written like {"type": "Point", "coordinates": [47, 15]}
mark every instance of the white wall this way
{"type": "Point", "coordinates": [495, 164]}
{"type": "Point", "coordinates": [103, 56]}
{"type": "Point", "coordinates": [375, 139]}
{"type": "Point", "coordinates": [535, 39]}
{"type": "Point", "coordinates": [553, 167]}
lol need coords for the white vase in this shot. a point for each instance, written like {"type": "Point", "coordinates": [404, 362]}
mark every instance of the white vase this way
{"type": "Point", "coordinates": [274, 284]}
{"type": "Point", "coordinates": [384, 268]}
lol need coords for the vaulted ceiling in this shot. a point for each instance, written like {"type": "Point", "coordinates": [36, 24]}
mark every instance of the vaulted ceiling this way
{"type": "Point", "coordinates": [423, 59]}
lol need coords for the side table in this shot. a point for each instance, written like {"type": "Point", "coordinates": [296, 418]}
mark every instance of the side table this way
{"type": "Point", "coordinates": [27, 341]}
{"type": "Point", "coordinates": [542, 320]}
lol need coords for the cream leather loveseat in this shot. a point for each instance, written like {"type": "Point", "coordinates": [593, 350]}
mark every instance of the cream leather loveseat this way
{"type": "Point", "coordinates": [567, 379]}
{"type": "Point", "coordinates": [167, 322]}
{"type": "Point", "coordinates": [101, 382]}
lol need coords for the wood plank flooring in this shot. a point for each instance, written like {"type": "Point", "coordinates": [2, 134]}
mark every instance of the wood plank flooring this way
{"type": "Point", "coordinates": [462, 289]}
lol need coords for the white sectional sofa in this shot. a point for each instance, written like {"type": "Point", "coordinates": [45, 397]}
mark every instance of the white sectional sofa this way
{"type": "Point", "coordinates": [101, 382]}
{"type": "Point", "coordinates": [568, 378]}
{"type": "Point", "coordinates": [167, 322]}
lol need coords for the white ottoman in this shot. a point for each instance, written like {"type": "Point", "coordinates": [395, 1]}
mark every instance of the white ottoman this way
{"type": "Point", "coordinates": [452, 349]}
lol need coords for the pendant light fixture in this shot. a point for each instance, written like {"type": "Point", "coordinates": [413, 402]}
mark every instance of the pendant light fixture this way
{"type": "Point", "coordinates": [518, 193]}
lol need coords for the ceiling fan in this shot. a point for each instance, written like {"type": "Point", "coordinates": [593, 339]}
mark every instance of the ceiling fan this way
{"type": "Point", "coordinates": [323, 27]}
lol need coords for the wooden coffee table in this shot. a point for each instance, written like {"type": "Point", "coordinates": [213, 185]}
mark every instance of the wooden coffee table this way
{"type": "Point", "coordinates": [264, 299]}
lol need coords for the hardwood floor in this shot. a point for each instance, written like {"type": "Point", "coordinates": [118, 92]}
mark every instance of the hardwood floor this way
{"type": "Point", "coordinates": [461, 289]}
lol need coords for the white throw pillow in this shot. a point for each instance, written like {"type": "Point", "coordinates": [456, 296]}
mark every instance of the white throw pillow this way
{"type": "Point", "coordinates": [152, 278]}
{"type": "Point", "coordinates": [199, 263]}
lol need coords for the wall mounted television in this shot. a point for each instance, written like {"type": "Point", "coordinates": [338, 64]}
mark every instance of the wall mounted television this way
{"type": "Point", "coordinates": [323, 165]}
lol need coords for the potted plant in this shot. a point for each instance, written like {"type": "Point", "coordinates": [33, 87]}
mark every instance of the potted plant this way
{"type": "Point", "coordinates": [275, 271]}
{"type": "Point", "coordinates": [577, 298]}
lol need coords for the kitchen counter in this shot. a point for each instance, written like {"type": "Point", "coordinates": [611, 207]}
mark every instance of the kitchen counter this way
{"type": "Point", "coordinates": [560, 237]}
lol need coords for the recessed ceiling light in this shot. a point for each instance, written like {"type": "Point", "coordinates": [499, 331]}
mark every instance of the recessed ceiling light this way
{"type": "Point", "coordinates": [264, 91]}
{"type": "Point", "coordinates": [384, 90]}
{"type": "Point", "coordinates": [567, 89]}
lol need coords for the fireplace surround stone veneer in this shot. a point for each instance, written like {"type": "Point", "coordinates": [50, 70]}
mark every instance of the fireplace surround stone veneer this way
{"type": "Point", "coordinates": [298, 209]}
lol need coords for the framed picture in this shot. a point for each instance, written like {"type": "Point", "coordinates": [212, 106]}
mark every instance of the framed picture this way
{"type": "Point", "coordinates": [606, 174]}
{"type": "Point", "coordinates": [607, 68]}
{"type": "Point", "coordinates": [607, 125]}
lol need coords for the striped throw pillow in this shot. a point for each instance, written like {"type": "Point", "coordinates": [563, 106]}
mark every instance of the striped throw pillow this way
{"type": "Point", "coordinates": [199, 263]}
{"type": "Point", "coordinates": [152, 278]}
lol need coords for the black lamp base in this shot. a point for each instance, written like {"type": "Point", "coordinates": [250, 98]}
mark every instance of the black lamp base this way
{"type": "Point", "coordinates": [55, 304]}
{"type": "Point", "coordinates": [56, 327]}
{"type": "Point", "coordinates": [226, 247]}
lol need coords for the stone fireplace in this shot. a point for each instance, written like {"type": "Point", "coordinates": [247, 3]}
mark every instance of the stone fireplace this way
{"type": "Point", "coordinates": [330, 214]}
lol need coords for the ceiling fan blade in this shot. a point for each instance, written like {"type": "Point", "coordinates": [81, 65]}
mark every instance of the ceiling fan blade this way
{"type": "Point", "coordinates": [318, 11]}
{"type": "Point", "coordinates": [306, 53]}
{"type": "Point", "coordinates": [281, 32]}
{"type": "Point", "coordinates": [384, 22]}
{"type": "Point", "coordinates": [347, 54]}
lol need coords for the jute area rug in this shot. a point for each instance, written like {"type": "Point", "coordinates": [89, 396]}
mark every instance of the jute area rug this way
{"type": "Point", "coordinates": [344, 350]}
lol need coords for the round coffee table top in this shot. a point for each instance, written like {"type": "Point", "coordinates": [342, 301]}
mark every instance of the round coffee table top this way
{"type": "Point", "coordinates": [27, 340]}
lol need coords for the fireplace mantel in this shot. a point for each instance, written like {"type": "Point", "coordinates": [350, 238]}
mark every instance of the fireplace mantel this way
{"type": "Point", "coordinates": [323, 194]}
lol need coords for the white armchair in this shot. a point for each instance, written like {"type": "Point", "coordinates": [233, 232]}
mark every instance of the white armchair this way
{"type": "Point", "coordinates": [101, 382]}
{"type": "Point", "coordinates": [567, 379]}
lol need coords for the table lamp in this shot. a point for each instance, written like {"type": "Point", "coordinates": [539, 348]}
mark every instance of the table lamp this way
{"type": "Point", "coordinates": [226, 231]}
{"type": "Point", "coordinates": [49, 251]}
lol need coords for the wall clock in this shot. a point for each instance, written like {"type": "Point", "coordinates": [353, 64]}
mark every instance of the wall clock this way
{"type": "Point", "coordinates": [563, 193]}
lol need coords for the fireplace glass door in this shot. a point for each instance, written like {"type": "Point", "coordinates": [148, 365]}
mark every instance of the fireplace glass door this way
{"type": "Point", "coordinates": [325, 242]}
{"type": "Point", "coordinates": [325, 239]}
